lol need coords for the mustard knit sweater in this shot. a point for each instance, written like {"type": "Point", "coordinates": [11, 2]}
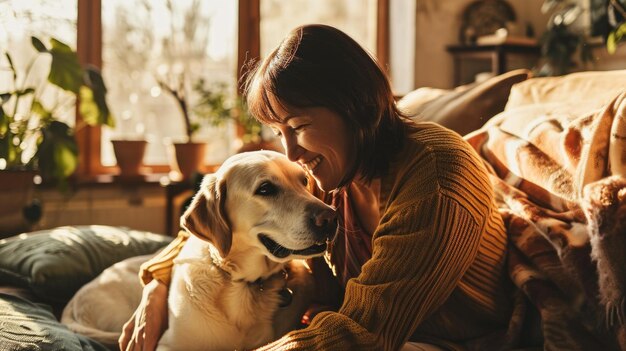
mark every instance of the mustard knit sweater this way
{"type": "Point", "coordinates": [437, 269]}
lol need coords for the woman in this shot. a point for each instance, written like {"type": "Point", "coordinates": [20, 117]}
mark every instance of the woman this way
{"type": "Point", "coordinates": [420, 254]}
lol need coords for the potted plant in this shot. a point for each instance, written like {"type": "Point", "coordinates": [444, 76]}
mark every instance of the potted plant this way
{"type": "Point", "coordinates": [34, 139]}
{"type": "Point", "coordinates": [214, 106]}
{"type": "Point", "coordinates": [33, 136]}
{"type": "Point", "coordinates": [186, 157]}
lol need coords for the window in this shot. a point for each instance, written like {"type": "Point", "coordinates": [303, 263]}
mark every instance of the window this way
{"type": "Point", "coordinates": [19, 20]}
{"type": "Point", "coordinates": [137, 42]}
{"type": "Point", "coordinates": [402, 45]}
{"type": "Point", "coordinates": [355, 17]}
{"type": "Point", "coordinates": [176, 43]}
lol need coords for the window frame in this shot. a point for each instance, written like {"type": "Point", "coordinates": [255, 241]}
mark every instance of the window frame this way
{"type": "Point", "coordinates": [89, 48]}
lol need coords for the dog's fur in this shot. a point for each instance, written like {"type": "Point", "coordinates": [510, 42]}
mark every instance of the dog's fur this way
{"type": "Point", "coordinates": [228, 282]}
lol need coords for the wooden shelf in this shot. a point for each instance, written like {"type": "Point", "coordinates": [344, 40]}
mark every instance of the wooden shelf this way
{"type": "Point", "coordinates": [498, 56]}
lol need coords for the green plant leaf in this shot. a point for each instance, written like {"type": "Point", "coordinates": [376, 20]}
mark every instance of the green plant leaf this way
{"type": "Point", "coordinates": [91, 112]}
{"type": "Point", "coordinates": [57, 154]}
{"type": "Point", "coordinates": [65, 70]}
{"type": "Point", "coordinates": [93, 106]}
{"type": "Point", "coordinates": [615, 37]}
{"type": "Point", "coordinates": [4, 122]}
{"type": "Point", "coordinates": [611, 43]}
{"type": "Point", "coordinates": [38, 45]}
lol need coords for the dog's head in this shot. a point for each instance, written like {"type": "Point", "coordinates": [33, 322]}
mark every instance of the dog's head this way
{"type": "Point", "coordinates": [259, 201]}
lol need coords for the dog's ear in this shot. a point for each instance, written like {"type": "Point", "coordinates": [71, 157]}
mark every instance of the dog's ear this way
{"type": "Point", "coordinates": [205, 216]}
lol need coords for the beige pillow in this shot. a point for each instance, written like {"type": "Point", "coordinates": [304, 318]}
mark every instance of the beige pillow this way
{"type": "Point", "coordinates": [464, 109]}
{"type": "Point", "coordinates": [599, 86]}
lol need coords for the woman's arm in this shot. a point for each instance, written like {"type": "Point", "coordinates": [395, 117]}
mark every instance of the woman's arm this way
{"type": "Point", "coordinates": [145, 327]}
{"type": "Point", "coordinates": [419, 255]}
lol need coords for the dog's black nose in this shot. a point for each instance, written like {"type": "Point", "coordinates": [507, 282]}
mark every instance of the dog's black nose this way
{"type": "Point", "coordinates": [323, 222]}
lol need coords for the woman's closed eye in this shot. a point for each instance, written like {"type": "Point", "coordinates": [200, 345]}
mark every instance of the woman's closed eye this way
{"type": "Point", "coordinates": [299, 128]}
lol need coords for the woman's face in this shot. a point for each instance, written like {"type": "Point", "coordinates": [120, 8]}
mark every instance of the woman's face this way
{"type": "Point", "coordinates": [317, 138]}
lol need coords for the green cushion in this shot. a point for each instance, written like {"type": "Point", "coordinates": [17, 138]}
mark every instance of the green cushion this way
{"type": "Point", "coordinates": [55, 263]}
{"type": "Point", "coordinates": [28, 326]}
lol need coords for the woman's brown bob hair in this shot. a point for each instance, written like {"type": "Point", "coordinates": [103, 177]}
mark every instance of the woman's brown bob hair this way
{"type": "Point", "coordinates": [320, 66]}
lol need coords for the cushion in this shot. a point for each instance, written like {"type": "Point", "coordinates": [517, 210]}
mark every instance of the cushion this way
{"type": "Point", "coordinates": [599, 86]}
{"type": "Point", "coordinates": [25, 325]}
{"type": "Point", "coordinates": [466, 108]}
{"type": "Point", "coordinates": [55, 263]}
{"type": "Point", "coordinates": [521, 119]}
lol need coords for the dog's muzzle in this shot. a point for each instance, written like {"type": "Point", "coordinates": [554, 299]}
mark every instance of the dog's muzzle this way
{"type": "Point", "coordinates": [281, 252]}
{"type": "Point", "coordinates": [322, 224]}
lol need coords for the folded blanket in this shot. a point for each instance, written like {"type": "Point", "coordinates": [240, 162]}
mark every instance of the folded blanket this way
{"type": "Point", "coordinates": [559, 173]}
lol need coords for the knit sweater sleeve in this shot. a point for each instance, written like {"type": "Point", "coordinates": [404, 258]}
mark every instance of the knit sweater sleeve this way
{"type": "Point", "coordinates": [159, 267]}
{"type": "Point", "coordinates": [427, 238]}
{"type": "Point", "coordinates": [418, 257]}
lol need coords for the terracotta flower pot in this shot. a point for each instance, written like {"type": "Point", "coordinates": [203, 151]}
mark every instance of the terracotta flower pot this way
{"type": "Point", "coordinates": [129, 155]}
{"type": "Point", "coordinates": [188, 159]}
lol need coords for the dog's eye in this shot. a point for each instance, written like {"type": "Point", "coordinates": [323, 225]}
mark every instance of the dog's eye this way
{"type": "Point", "coordinates": [305, 181]}
{"type": "Point", "coordinates": [266, 189]}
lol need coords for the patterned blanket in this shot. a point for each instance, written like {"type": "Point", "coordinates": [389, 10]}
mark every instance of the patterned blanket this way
{"type": "Point", "coordinates": [560, 179]}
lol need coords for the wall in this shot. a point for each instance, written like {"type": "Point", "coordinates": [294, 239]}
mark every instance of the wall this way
{"type": "Point", "coordinates": [140, 207]}
{"type": "Point", "coordinates": [438, 23]}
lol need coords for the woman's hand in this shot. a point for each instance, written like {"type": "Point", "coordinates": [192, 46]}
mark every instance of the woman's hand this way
{"type": "Point", "coordinates": [145, 327]}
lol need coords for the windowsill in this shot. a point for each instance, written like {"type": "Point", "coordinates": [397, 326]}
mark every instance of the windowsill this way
{"type": "Point", "coordinates": [104, 179]}
{"type": "Point", "coordinates": [107, 180]}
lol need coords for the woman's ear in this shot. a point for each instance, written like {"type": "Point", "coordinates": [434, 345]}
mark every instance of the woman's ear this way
{"type": "Point", "coordinates": [205, 216]}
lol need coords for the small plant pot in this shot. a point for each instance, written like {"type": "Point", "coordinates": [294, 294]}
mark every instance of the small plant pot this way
{"type": "Point", "coordinates": [188, 159]}
{"type": "Point", "coordinates": [129, 155]}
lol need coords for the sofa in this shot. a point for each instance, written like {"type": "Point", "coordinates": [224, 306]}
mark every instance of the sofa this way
{"type": "Point", "coordinates": [557, 161]}
{"type": "Point", "coordinates": [556, 151]}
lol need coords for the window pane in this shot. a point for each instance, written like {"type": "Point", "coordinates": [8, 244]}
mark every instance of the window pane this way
{"type": "Point", "coordinates": [402, 45]}
{"type": "Point", "coordinates": [355, 17]}
{"type": "Point", "coordinates": [147, 40]}
{"type": "Point", "coordinates": [19, 20]}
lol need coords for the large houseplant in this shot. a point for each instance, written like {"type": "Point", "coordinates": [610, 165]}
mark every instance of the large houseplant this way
{"type": "Point", "coordinates": [213, 106]}
{"type": "Point", "coordinates": [217, 107]}
{"type": "Point", "coordinates": [33, 136]}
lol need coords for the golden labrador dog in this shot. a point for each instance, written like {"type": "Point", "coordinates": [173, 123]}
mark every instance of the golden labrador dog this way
{"type": "Point", "coordinates": [229, 287]}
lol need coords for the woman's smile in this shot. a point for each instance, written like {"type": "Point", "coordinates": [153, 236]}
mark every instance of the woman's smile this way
{"type": "Point", "coordinates": [311, 165]}
{"type": "Point", "coordinates": [318, 139]}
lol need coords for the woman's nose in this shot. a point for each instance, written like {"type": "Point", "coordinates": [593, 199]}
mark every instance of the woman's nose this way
{"type": "Point", "coordinates": [292, 149]}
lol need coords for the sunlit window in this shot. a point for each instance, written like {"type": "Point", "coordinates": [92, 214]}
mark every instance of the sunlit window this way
{"type": "Point", "coordinates": [173, 42]}
{"type": "Point", "coordinates": [19, 20]}
{"type": "Point", "coordinates": [402, 45]}
{"type": "Point", "coordinates": [355, 17]}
